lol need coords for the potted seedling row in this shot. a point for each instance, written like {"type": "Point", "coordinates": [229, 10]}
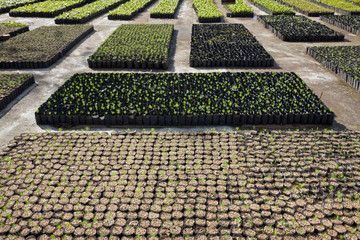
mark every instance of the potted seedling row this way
{"type": "Point", "coordinates": [10, 29]}
{"type": "Point", "coordinates": [12, 85]}
{"type": "Point", "coordinates": [226, 45]}
{"type": "Point", "coordinates": [341, 60]}
{"type": "Point", "coordinates": [165, 9]}
{"type": "Point", "coordinates": [184, 99]}
{"type": "Point", "coordinates": [135, 46]}
{"type": "Point", "coordinates": [299, 29]}
{"type": "Point", "coordinates": [207, 11]}
{"type": "Point", "coordinates": [308, 8]}
{"type": "Point", "coordinates": [41, 47]}
{"type": "Point", "coordinates": [6, 6]}
{"type": "Point", "coordinates": [87, 12]}
{"type": "Point", "coordinates": [129, 9]}
{"type": "Point", "coordinates": [239, 9]}
{"type": "Point", "coordinates": [340, 6]}
{"type": "Point", "coordinates": [349, 23]}
{"type": "Point", "coordinates": [272, 7]}
{"type": "Point", "coordinates": [46, 9]}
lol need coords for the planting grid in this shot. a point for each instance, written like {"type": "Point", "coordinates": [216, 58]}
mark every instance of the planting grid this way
{"type": "Point", "coordinates": [180, 184]}
{"type": "Point", "coordinates": [209, 184]}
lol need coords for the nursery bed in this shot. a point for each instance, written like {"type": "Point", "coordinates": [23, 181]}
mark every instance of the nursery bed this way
{"type": "Point", "coordinates": [135, 46]}
{"type": "Point", "coordinates": [343, 60]}
{"type": "Point", "coordinates": [341, 6]}
{"type": "Point", "coordinates": [41, 47]}
{"type": "Point", "coordinates": [349, 23]}
{"type": "Point", "coordinates": [273, 7]}
{"type": "Point", "coordinates": [88, 12]}
{"type": "Point", "coordinates": [206, 11]}
{"type": "Point", "coordinates": [184, 99]}
{"type": "Point", "coordinates": [299, 29]}
{"type": "Point", "coordinates": [166, 9]}
{"type": "Point", "coordinates": [129, 10]}
{"type": "Point", "coordinates": [181, 185]}
{"type": "Point", "coordinates": [239, 9]}
{"type": "Point", "coordinates": [7, 5]}
{"type": "Point", "coordinates": [12, 85]}
{"type": "Point", "coordinates": [11, 29]}
{"type": "Point", "coordinates": [307, 8]}
{"type": "Point", "coordinates": [226, 45]}
{"type": "Point", "coordinates": [46, 9]}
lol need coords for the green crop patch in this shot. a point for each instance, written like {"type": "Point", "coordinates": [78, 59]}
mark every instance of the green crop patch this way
{"type": "Point", "coordinates": [50, 8]}
{"type": "Point", "coordinates": [42, 46]}
{"type": "Point", "coordinates": [165, 9]}
{"type": "Point", "coordinates": [343, 60]}
{"type": "Point", "coordinates": [308, 8]}
{"type": "Point", "coordinates": [226, 45]}
{"type": "Point", "coordinates": [299, 29]}
{"type": "Point", "coordinates": [129, 9]}
{"type": "Point", "coordinates": [87, 12]}
{"type": "Point", "coordinates": [340, 6]}
{"type": "Point", "coordinates": [135, 46]}
{"type": "Point", "coordinates": [272, 7]}
{"type": "Point", "coordinates": [7, 5]}
{"type": "Point", "coordinates": [11, 29]}
{"type": "Point", "coordinates": [207, 11]}
{"type": "Point", "coordinates": [239, 9]}
{"type": "Point", "coordinates": [12, 85]}
{"type": "Point", "coordinates": [184, 99]}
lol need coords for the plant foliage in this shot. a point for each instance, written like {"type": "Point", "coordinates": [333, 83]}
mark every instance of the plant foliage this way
{"type": "Point", "coordinates": [135, 46]}
{"type": "Point", "coordinates": [226, 98]}
{"type": "Point", "coordinates": [226, 45]}
{"type": "Point", "coordinates": [87, 12]}
{"type": "Point", "coordinates": [207, 11]}
{"type": "Point", "coordinates": [239, 9]}
{"type": "Point", "coordinates": [308, 8]}
{"type": "Point", "coordinates": [42, 46]}
{"type": "Point", "coordinates": [299, 29]}
{"type": "Point", "coordinates": [344, 60]}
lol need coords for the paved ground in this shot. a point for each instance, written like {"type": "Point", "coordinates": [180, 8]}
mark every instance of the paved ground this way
{"type": "Point", "coordinates": [336, 93]}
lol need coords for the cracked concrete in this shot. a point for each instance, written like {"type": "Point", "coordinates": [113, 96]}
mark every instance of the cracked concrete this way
{"type": "Point", "coordinates": [18, 117]}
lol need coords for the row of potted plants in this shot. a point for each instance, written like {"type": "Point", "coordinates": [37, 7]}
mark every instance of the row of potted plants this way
{"type": "Point", "coordinates": [299, 29]}
{"type": "Point", "coordinates": [308, 8]}
{"type": "Point", "coordinates": [42, 46]}
{"type": "Point", "coordinates": [50, 8]}
{"type": "Point", "coordinates": [7, 5]}
{"type": "Point", "coordinates": [340, 6]}
{"type": "Point", "coordinates": [347, 22]}
{"type": "Point", "coordinates": [10, 29]}
{"type": "Point", "coordinates": [207, 11]}
{"type": "Point", "coordinates": [239, 9]}
{"type": "Point", "coordinates": [135, 46]}
{"type": "Point", "coordinates": [12, 85]}
{"type": "Point", "coordinates": [272, 7]}
{"type": "Point", "coordinates": [342, 60]}
{"type": "Point", "coordinates": [184, 99]}
{"type": "Point", "coordinates": [226, 45]}
{"type": "Point", "coordinates": [87, 12]}
{"type": "Point", "coordinates": [129, 9]}
{"type": "Point", "coordinates": [165, 9]}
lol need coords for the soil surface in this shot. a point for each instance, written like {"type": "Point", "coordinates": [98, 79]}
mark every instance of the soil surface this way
{"type": "Point", "coordinates": [261, 184]}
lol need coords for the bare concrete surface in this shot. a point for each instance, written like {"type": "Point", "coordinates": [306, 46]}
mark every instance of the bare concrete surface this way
{"type": "Point", "coordinates": [335, 92]}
